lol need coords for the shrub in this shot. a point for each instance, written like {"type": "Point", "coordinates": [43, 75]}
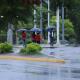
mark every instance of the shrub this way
{"type": "Point", "coordinates": [23, 51]}
{"type": "Point", "coordinates": [5, 47]}
{"type": "Point", "coordinates": [28, 41]}
{"type": "Point", "coordinates": [31, 49]}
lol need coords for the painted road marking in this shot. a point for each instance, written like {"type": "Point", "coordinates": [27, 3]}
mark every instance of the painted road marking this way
{"type": "Point", "coordinates": [41, 59]}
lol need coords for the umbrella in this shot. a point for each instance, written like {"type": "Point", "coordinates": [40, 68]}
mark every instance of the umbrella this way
{"type": "Point", "coordinates": [35, 30]}
{"type": "Point", "coordinates": [50, 29]}
{"type": "Point", "coordinates": [21, 30]}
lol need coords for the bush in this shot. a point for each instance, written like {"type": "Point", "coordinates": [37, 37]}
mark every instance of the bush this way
{"type": "Point", "coordinates": [28, 41]}
{"type": "Point", "coordinates": [5, 47]}
{"type": "Point", "coordinates": [31, 49]}
{"type": "Point", "coordinates": [23, 51]}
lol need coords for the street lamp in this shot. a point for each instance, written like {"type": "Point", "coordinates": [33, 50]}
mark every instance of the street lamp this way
{"type": "Point", "coordinates": [2, 16]}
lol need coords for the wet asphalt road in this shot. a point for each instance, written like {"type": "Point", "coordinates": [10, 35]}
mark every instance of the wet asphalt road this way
{"type": "Point", "coordinates": [67, 52]}
{"type": "Point", "coordinates": [19, 70]}
{"type": "Point", "coordinates": [26, 70]}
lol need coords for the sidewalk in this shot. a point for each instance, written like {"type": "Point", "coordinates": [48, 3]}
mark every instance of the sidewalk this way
{"type": "Point", "coordinates": [54, 46]}
{"type": "Point", "coordinates": [43, 45]}
{"type": "Point", "coordinates": [16, 56]}
{"type": "Point", "coordinates": [47, 51]}
{"type": "Point", "coordinates": [64, 52]}
{"type": "Point", "coordinates": [59, 53]}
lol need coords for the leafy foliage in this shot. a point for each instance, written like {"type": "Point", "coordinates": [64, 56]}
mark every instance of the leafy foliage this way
{"type": "Point", "coordinates": [68, 26]}
{"type": "Point", "coordinates": [5, 48]}
{"type": "Point", "coordinates": [22, 10]}
{"type": "Point", "coordinates": [31, 49]}
{"type": "Point", "coordinates": [72, 12]}
{"type": "Point", "coordinates": [14, 11]}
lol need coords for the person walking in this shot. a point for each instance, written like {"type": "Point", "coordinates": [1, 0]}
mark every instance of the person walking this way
{"type": "Point", "coordinates": [24, 38]}
{"type": "Point", "coordinates": [33, 37]}
{"type": "Point", "coordinates": [38, 38]}
{"type": "Point", "coordinates": [51, 39]}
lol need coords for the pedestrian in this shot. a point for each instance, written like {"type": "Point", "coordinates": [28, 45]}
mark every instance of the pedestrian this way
{"type": "Point", "coordinates": [33, 37]}
{"type": "Point", "coordinates": [24, 38]}
{"type": "Point", "coordinates": [38, 38]}
{"type": "Point", "coordinates": [51, 38]}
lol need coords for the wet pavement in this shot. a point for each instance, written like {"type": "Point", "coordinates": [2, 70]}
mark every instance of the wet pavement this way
{"type": "Point", "coordinates": [67, 52]}
{"type": "Point", "coordinates": [28, 70]}
{"type": "Point", "coordinates": [23, 70]}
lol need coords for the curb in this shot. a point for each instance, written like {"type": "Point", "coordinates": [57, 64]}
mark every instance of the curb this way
{"type": "Point", "coordinates": [31, 59]}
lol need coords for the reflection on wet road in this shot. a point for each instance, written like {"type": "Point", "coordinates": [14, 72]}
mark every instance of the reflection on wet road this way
{"type": "Point", "coordinates": [26, 70]}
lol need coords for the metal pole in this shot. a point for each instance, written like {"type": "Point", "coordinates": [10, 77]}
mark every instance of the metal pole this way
{"type": "Point", "coordinates": [57, 23]}
{"type": "Point", "coordinates": [62, 23]}
{"type": "Point", "coordinates": [35, 16]}
{"type": "Point", "coordinates": [48, 20]}
{"type": "Point", "coordinates": [41, 20]}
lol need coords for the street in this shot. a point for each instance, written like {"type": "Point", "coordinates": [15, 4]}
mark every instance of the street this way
{"type": "Point", "coordinates": [32, 70]}
{"type": "Point", "coordinates": [28, 70]}
{"type": "Point", "coordinates": [67, 52]}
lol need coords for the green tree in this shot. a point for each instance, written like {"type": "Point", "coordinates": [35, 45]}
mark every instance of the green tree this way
{"type": "Point", "coordinates": [69, 28]}
{"type": "Point", "coordinates": [74, 15]}
{"type": "Point", "coordinates": [72, 12]}
{"type": "Point", "coordinates": [16, 10]}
